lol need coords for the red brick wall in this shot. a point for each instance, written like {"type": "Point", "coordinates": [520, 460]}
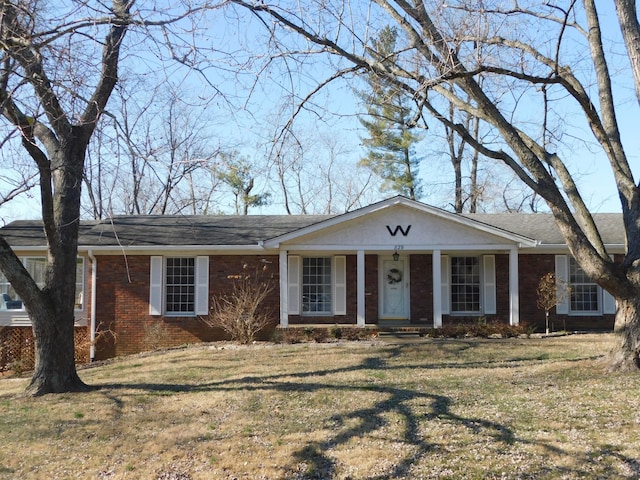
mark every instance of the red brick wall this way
{"type": "Point", "coordinates": [532, 268]}
{"type": "Point", "coordinates": [371, 288]}
{"type": "Point", "coordinates": [123, 298]}
{"type": "Point", "coordinates": [502, 288]}
{"type": "Point", "coordinates": [421, 284]}
{"type": "Point", "coordinates": [123, 303]}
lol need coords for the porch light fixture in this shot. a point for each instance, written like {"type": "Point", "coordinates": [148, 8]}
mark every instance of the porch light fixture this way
{"type": "Point", "coordinates": [396, 256]}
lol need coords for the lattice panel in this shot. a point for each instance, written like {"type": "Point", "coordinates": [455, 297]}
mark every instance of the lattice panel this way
{"type": "Point", "coordinates": [17, 348]}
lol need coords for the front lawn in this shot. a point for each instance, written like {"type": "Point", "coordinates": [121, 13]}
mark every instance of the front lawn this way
{"type": "Point", "coordinates": [467, 408]}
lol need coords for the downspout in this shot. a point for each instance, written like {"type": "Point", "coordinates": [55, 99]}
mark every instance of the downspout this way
{"type": "Point", "coordinates": [92, 331]}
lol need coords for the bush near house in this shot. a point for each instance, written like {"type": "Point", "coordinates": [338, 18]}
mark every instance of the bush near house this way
{"type": "Point", "coordinates": [482, 329]}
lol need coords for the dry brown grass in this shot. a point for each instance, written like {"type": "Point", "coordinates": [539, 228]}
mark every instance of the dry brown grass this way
{"type": "Point", "coordinates": [517, 408]}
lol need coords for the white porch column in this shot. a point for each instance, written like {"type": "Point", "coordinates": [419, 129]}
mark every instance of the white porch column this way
{"type": "Point", "coordinates": [437, 289]}
{"type": "Point", "coordinates": [360, 281]}
{"type": "Point", "coordinates": [514, 296]}
{"type": "Point", "coordinates": [284, 289]}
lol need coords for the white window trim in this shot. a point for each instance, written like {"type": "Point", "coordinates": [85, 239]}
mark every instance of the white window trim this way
{"type": "Point", "coordinates": [488, 286]}
{"type": "Point", "coordinates": [23, 259]}
{"type": "Point", "coordinates": [157, 281]}
{"type": "Point", "coordinates": [338, 286]}
{"type": "Point", "coordinates": [606, 306]}
{"type": "Point", "coordinates": [317, 314]}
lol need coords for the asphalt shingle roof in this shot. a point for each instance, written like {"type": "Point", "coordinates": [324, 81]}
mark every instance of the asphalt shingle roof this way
{"type": "Point", "coordinates": [244, 230]}
{"type": "Point", "coordinates": [157, 230]}
{"type": "Point", "coordinates": [542, 226]}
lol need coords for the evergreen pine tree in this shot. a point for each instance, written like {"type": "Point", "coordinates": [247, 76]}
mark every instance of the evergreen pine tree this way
{"type": "Point", "coordinates": [390, 144]}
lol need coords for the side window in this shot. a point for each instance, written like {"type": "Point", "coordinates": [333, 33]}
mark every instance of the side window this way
{"type": "Point", "coordinates": [8, 297]}
{"type": "Point", "coordinates": [317, 297]}
{"type": "Point", "coordinates": [465, 285]}
{"type": "Point", "coordinates": [180, 285]}
{"type": "Point", "coordinates": [36, 267]}
{"type": "Point", "coordinates": [79, 303]}
{"type": "Point", "coordinates": [584, 291]}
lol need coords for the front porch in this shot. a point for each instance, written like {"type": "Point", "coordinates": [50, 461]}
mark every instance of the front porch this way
{"type": "Point", "coordinates": [398, 261]}
{"type": "Point", "coordinates": [415, 290]}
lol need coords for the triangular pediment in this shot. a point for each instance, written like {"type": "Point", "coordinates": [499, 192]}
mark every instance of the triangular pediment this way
{"type": "Point", "coordinates": [400, 222]}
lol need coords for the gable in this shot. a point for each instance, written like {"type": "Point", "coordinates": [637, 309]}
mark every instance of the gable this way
{"type": "Point", "coordinates": [402, 224]}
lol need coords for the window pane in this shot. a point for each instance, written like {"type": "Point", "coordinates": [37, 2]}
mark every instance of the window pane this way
{"type": "Point", "coordinates": [465, 284]}
{"type": "Point", "coordinates": [36, 268]}
{"type": "Point", "coordinates": [584, 291]}
{"type": "Point", "coordinates": [79, 284]}
{"type": "Point", "coordinates": [8, 298]}
{"type": "Point", "coordinates": [316, 285]}
{"type": "Point", "coordinates": [180, 285]}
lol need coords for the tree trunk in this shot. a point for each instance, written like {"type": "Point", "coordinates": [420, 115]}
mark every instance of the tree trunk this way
{"type": "Point", "coordinates": [52, 312]}
{"type": "Point", "coordinates": [55, 369]}
{"type": "Point", "coordinates": [625, 355]}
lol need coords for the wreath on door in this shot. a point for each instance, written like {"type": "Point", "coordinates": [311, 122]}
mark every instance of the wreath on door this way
{"type": "Point", "coordinates": [394, 276]}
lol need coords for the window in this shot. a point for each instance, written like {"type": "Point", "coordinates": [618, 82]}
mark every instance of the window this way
{"type": "Point", "coordinates": [317, 295]}
{"type": "Point", "coordinates": [180, 285]}
{"type": "Point", "coordinates": [36, 267]}
{"type": "Point", "coordinates": [584, 292]}
{"type": "Point", "coordinates": [586, 297]}
{"type": "Point", "coordinates": [465, 284]}
{"type": "Point", "coordinates": [79, 284]}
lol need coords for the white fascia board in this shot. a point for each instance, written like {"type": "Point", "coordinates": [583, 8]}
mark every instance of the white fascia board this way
{"type": "Point", "coordinates": [141, 249]}
{"type": "Point", "coordinates": [42, 248]}
{"type": "Point", "coordinates": [563, 248]}
{"type": "Point", "coordinates": [436, 212]}
{"type": "Point", "coordinates": [390, 248]}
{"type": "Point", "coordinates": [194, 249]}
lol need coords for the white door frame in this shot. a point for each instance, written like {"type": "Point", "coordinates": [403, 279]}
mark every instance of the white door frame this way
{"type": "Point", "coordinates": [382, 276]}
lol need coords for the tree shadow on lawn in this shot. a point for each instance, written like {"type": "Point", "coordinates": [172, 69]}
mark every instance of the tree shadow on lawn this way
{"type": "Point", "coordinates": [315, 457]}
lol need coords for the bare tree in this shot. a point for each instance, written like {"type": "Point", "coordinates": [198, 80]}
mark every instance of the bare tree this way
{"type": "Point", "coordinates": [457, 147]}
{"type": "Point", "coordinates": [149, 152]}
{"type": "Point", "coordinates": [436, 61]}
{"type": "Point", "coordinates": [59, 68]}
{"type": "Point", "coordinates": [55, 138]}
{"type": "Point", "coordinates": [317, 176]}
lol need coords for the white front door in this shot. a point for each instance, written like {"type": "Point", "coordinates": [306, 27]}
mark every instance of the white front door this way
{"type": "Point", "coordinates": [394, 288]}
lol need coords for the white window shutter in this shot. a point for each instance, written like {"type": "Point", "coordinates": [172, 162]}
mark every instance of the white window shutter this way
{"type": "Point", "coordinates": [489, 284]}
{"type": "Point", "coordinates": [155, 286]}
{"type": "Point", "coordinates": [202, 285]}
{"type": "Point", "coordinates": [293, 287]}
{"type": "Point", "coordinates": [562, 281]}
{"type": "Point", "coordinates": [608, 300]}
{"type": "Point", "coordinates": [445, 285]}
{"type": "Point", "coordinates": [340, 285]}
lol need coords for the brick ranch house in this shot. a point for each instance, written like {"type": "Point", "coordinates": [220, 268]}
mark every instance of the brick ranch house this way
{"type": "Point", "coordinates": [393, 263]}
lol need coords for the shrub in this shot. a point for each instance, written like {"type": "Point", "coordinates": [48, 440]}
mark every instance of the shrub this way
{"type": "Point", "coordinates": [241, 313]}
{"type": "Point", "coordinates": [336, 332]}
{"type": "Point", "coordinates": [156, 335]}
{"type": "Point", "coordinates": [105, 337]}
{"type": "Point", "coordinates": [482, 329]}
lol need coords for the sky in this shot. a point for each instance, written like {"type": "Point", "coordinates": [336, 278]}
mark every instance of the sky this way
{"type": "Point", "coordinates": [252, 124]}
